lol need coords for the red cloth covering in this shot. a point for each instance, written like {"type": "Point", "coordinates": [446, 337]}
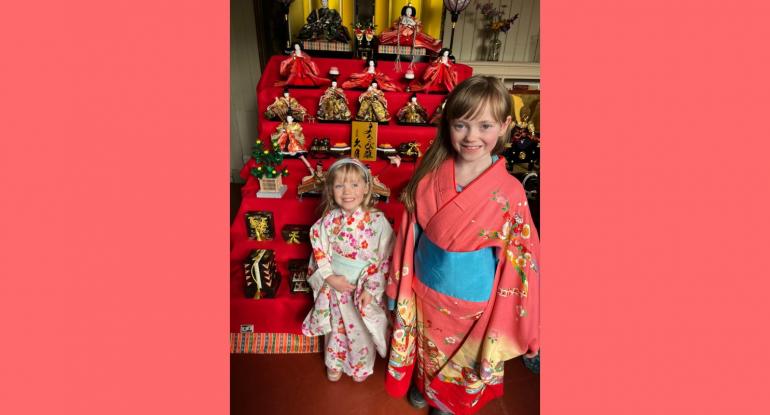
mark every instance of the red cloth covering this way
{"type": "Point", "coordinates": [285, 312]}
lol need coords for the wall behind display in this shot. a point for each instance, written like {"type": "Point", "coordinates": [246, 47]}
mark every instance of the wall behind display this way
{"type": "Point", "coordinates": [520, 44]}
{"type": "Point", "coordinates": [244, 75]}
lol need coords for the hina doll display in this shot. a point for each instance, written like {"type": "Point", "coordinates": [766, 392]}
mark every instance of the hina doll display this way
{"type": "Point", "coordinates": [439, 76]}
{"type": "Point", "coordinates": [412, 112]}
{"type": "Point", "coordinates": [407, 31]}
{"type": "Point", "coordinates": [288, 137]}
{"type": "Point", "coordinates": [324, 24]}
{"type": "Point", "coordinates": [372, 105]}
{"type": "Point", "coordinates": [333, 105]}
{"type": "Point", "coordinates": [283, 105]}
{"type": "Point", "coordinates": [364, 79]}
{"type": "Point", "coordinates": [300, 70]}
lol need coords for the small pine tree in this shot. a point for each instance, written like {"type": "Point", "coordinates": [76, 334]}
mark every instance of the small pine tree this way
{"type": "Point", "coordinates": [268, 163]}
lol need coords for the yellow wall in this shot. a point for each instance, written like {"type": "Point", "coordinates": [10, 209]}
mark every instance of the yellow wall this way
{"type": "Point", "coordinates": [385, 11]}
{"type": "Point", "coordinates": [382, 16]}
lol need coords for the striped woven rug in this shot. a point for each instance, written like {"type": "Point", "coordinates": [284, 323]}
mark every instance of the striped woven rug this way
{"type": "Point", "coordinates": [273, 343]}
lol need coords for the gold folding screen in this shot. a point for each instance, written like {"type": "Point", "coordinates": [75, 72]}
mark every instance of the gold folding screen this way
{"type": "Point", "coordinates": [385, 11]}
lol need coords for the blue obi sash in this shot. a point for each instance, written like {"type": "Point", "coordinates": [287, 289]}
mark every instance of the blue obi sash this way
{"type": "Point", "coordinates": [467, 276]}
{"type": "Point", "coordinates": [349, 268]}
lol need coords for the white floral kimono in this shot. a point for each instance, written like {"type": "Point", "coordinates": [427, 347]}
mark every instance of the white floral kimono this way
{"type": "Point", "coordinates": [358, 247]}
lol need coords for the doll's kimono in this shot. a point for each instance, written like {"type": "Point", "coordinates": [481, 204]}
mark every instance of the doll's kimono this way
{"type": "Point", "coordinates": [333, 105]}
{"type": "Point", "coordinates": [357, 246]}
{"type": "Point", "coordinates": [326, 24]}
{"type": "Point", "coordinates": [288, 138]}
{"type": "Point", "coordinates": [283, 106]}
{"type": "Point", "coordinates": [407, 31]}
{"type": "Point", "coordinates": [364, 79]}
{"type": "Point", "coordinates": [439, 76]}
{"type": "Point", "coordinates": [372, 106]}
{"type": "Point", "coordinates": [465, 279]}
{"type": "Point", "coordinates": [412, 113]}
{"type": "Point", "coordinates": [300, 71]}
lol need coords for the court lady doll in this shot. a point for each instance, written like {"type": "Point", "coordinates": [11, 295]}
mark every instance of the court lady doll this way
{"type": "Point", "coordinates": [300, 70]}
{"type": "Point", "coordinates": [440, 76]}
{"type": "Point", "coordinates": [371, 74]}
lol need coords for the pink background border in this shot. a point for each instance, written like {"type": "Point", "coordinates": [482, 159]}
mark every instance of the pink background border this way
{"type": "Point", "coordinates": [114, 161]}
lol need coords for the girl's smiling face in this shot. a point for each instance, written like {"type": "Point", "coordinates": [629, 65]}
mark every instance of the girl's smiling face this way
{"type": "Point", "coordinates": [349, 191]}
{"type": "Point", "coordinates": [474, 139]}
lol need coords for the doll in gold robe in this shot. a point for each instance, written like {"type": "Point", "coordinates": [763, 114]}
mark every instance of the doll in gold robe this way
{"type": "Point", "coordinates": [372, 105]}
{"type": "Point", "coordinates": [284, 105]}
{"type": "Point", "coordinates": [333, 105]}
{"type": "Point", "coordinates": [288, 137]}
{"type": "Point", "coordinates": [412, 112]}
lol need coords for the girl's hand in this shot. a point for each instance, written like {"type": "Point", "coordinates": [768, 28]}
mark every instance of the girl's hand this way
{"type": "Point", "coordinates": [364, 301]}
{"type": "Point", "coordinates": [340, 283]}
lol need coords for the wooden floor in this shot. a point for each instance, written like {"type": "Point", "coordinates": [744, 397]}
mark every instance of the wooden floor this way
{"type": "Point", "coordinates": [296, 384]}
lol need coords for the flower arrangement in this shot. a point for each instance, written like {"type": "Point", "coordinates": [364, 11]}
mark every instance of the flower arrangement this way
{"type": "Point", "coordinates": [494, 18]}
{"type": "Point", "coordinates": [367, 26]}
{"type": "Point", "coordinates": [267, 163]}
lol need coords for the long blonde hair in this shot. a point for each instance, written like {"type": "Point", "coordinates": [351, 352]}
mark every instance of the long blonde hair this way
{"type": "Point", "coordinates": [467, 100]}
{"type": "Point", "coordinates": [342, 168]}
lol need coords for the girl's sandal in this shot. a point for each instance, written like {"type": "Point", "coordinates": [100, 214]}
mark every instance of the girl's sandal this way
{"type": "Point", "coordinates": [333, 374]}
{"type": "Point", "coordinates": [360, 378]}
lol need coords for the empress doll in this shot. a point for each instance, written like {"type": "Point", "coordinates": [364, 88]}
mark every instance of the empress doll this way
{"type": "Point", "coordinates": [284, 105]}
{"type": "Point", "coordinates": [300, 70]}
{"type": "Point", "coordinates": [364, 79]}
{"type": "Point", "coordinates": [288, 137]}
{"type": "Point", "coordinates": [372, 105]}
{"type": "Point", "coordinates": [412, 112]}
{"type": "Point", "coordinates": [439, 76]}
{"type": "Point", "coordinates": [407, 31]}
{"type": "Point", "coordinates": [333, 105]}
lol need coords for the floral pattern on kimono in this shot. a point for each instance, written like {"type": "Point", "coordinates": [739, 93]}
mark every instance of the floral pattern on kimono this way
{"type": "Point", "coordinates": [353, 336]}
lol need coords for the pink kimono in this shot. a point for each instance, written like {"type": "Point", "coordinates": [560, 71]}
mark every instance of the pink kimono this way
{"type": "Point", "coordinates": [466, 281]}
{"type": "Point", "coordinates": [357, 246]}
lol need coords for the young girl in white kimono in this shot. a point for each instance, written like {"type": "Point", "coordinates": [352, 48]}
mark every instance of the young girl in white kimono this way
{"type": "Point", "coordinates": [352, 243]}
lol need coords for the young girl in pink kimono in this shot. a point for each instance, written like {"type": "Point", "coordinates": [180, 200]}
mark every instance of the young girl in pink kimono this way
{"type": "Point", "coordinates": [351, 243]}
{"type": "Point", "coordinates": [465, 273]}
